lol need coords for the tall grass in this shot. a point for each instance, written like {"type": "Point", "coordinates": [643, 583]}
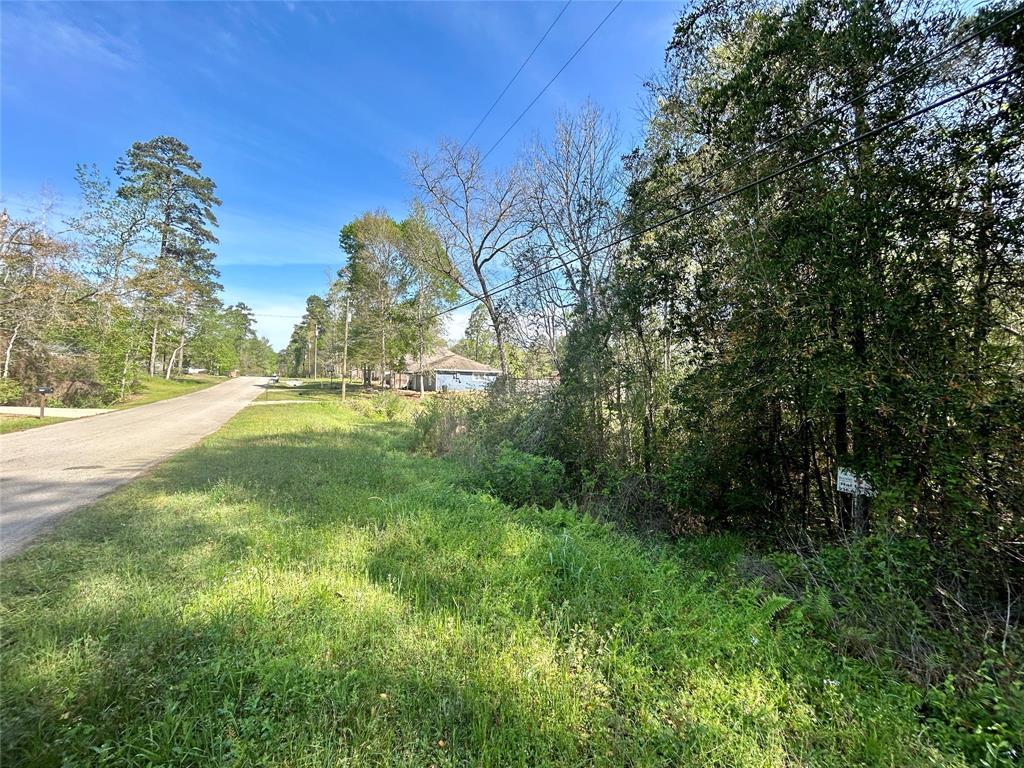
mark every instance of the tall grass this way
{"type": "Point", "coordinates": [301, 590]}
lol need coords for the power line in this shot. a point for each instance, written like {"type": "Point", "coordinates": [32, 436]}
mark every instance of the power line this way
{"type": "Point", "coordinates": [938, 56]}
{"type": "Point", "coordinates": [515, 76]}
{"type": "Point", "coordinates": [552, 80]}
{"type": "Point", "coordinates": [760, 180]}
{"type": "Point", "coordinates": [835, 111]}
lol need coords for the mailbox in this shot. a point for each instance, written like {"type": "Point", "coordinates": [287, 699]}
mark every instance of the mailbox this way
{"type": "Point", "coordinates": [43, 392]}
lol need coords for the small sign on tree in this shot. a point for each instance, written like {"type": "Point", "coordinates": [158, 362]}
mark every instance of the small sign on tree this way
{"type": "Point", "coordinates": [847, 481]}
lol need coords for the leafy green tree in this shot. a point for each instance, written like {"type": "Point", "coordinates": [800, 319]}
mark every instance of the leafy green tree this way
{"type": "Point", "coordinates": [478, 341]}
{"type": "Point", "coordinates": [432, 290]}
{"type": "Point", "coordinates": [162, 174]}
{"type": "Point", "coordinates": [857, 313]}
{"type": "Point", "coordinates": [381, 279]}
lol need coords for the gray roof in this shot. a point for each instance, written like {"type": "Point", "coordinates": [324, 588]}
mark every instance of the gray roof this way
{"type": "Point", "coordinates": [453, 362]}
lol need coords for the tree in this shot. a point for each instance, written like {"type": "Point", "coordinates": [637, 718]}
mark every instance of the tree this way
{"type": "Point", "coordinates": [42, 297]}
{"type": "Point", "coordinates": [380, 278]}
{"type": "Point", "coordinates": [163, 175]}
{"type": "Point", "coordinates": [845, 315]}
{"type": "Point", "coordinates": [480, 220]}
{"type": "Point", "coordinates": [432, 290]}
{"type": "Point", "coordinates": [573, 188]}
{"type": "Point", "coordinates": [339, 303]}
{"type": "Point", "coordinates": [113, 233]}
{"type": "Point", "coordinates": [478, 341]}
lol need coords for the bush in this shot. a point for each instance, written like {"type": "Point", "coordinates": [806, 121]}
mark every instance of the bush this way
{"type": "Point", "coordinates": [10, 391]}
{"type": "Point", "coordinates": [524, 478]}
{"type": "Point", "coordinates": [443, 422]}
{"type": "Point", "coordinates": [391, 407]}
{"type": "Point", "coordinates": [385, 406]}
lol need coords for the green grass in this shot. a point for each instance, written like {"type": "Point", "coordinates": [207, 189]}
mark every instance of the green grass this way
{"type": "Point", "coordinates": [301, 590]}
{"type": "Point", "coordinates": [310, 389]}
{"type": "Point", "coordinates": [154, 388]}
{"type": "Point", "coordinates": [19, 423]}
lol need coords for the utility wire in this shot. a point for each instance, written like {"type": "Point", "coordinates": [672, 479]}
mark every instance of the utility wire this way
{"type": "Point", "coordinates": [938, 56]}
{"type": "Point", "coordinates": [514, 77]}
{"type": "Point", "coordinates": [743, 187]}
{"type": "Point", "coordinates": [552, 80]}
{"type": "Point", "coordinates": [835, 111]}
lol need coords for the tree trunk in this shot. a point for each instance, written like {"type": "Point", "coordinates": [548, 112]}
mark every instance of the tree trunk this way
{"type": "Point", "coordinates": [383, 351]}
{"type": "Point", "coordinates": [181, 352]}
{"type": "Point", "coordinates": [421, 337]}
{"type": "Point", "coordinates": [124, 373]}
{"type": "Point", "coordinates": [152, 349]}
{"type": "Point", "coordinates": [344, 353]}
{"type": "Point", "coordinates": [170, 365]}
{"type": "Point", "coordinates": [9, 350]}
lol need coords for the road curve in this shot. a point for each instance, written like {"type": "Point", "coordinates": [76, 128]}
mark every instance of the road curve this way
{"type": "Point", "coordinates": [50, 471]}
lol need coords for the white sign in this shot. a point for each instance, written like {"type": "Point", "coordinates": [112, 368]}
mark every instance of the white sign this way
{"type": "Point", "coordinates": [848, 482]}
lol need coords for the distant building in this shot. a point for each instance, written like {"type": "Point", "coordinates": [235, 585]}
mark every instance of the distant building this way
{"type": "Point", "coordinates": [445, 371]}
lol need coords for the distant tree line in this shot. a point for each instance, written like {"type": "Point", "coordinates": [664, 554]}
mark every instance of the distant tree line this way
{"type": "Point", "coordinates": [127, 286]}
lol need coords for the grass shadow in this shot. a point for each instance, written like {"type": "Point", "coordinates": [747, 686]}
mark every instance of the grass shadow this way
{"type": "Point", "coordinates": [301, 590]}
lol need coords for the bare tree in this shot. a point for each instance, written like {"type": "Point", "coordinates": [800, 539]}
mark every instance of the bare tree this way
{"type": "Point", "coordinates": [481, 221]}
{"type": "Point", "coordinates": [572, 187]}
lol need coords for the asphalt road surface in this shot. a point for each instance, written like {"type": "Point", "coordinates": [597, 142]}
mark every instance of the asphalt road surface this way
{"type": "Point", "coordinates": [49, 471]}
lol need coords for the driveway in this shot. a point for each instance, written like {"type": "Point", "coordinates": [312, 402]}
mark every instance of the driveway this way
{"type": "Point", "coordinates": [50, 471]}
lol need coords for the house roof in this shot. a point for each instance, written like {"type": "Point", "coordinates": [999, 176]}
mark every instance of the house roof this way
{"type": "Point", "coordinates": [412, 362]}
{"type": "Point", "coordinates": [453, 362]}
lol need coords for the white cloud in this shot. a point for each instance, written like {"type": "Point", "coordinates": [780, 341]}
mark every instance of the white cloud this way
{"type": "Point", "coordinates": [45, 33]}
{"type": "Point", "coordinates": [455, 323]}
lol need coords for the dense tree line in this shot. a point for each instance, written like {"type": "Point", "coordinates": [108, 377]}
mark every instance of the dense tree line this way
{"type": "Point", "coordinates": [811, 267]}
{"type": "Point", "coordinates": [728, 334]}
{"type": "Point", "coordinates": [862, 312]}
{"type": "Point", "coordinates": [128, 286]}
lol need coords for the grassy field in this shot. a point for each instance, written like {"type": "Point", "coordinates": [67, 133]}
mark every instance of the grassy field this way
{"type": "Point", "coordinates": [302, 590]}
{"type": "Point", "coordinates": [310, 389]}
{"type": "Point", "coordinates": [18, 423]}
{"type": "Point", "coordinates": [154, 388]}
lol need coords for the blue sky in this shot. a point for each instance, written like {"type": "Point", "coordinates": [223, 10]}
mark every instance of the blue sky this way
{"type": "Point", "coordinates": [303, 113]}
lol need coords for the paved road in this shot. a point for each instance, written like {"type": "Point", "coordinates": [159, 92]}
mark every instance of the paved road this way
{"type": "Point", "coordinates": [49, 471]}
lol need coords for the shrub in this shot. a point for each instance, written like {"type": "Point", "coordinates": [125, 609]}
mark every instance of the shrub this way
{"type": "Point", "coordinates": [10, 391]}
{"type": "Point", "coordinates": [443, 421]}
{"type": "Point", "coordinates": [385, 406]}
{"type": "Point", "coordinates": [391, 407]}
{"type": "Point", "coordinates": [524, 478]}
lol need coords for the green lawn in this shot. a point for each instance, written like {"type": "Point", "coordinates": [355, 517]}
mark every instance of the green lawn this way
{"type": "Point", "coordinates": [154, 388]}
{"type": "Point", "coordinates": [301, 590]}
{"type": "Point", "coordinates": [310, 389]}
{"type": "Point", "coordinates": [18, 423]}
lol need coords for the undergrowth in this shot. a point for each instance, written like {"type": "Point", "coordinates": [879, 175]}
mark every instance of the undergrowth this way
{"type": "Point", "coordinates": [302, 590]}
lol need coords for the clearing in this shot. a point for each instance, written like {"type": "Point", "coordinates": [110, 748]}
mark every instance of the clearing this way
{"type": "Point", "coordinates": [300, 589]}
